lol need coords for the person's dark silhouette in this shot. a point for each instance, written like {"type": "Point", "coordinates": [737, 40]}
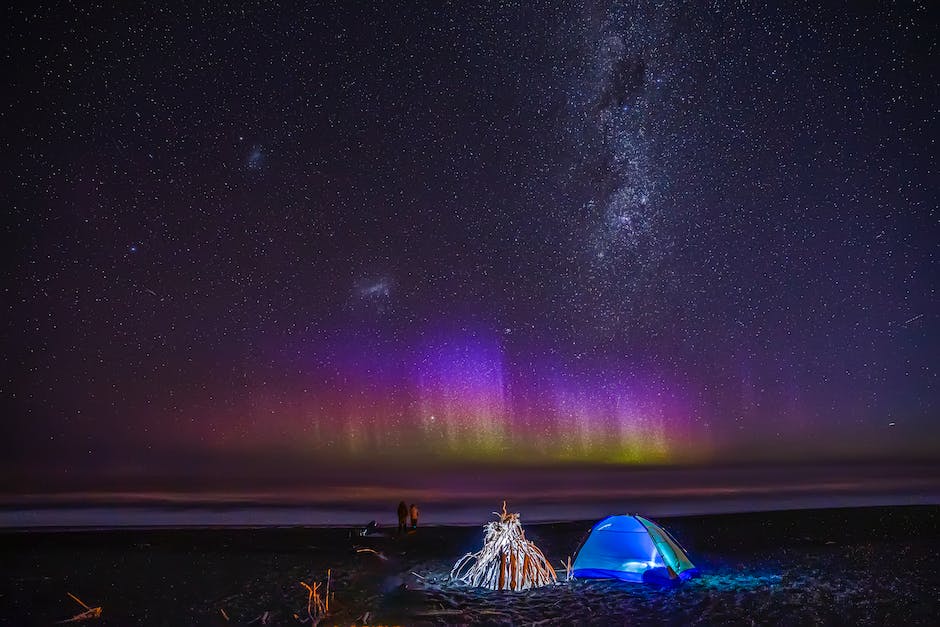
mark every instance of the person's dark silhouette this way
{"type": "Point", "coordinates": [402, 517]}
{"type": "Point", "coordinates": [414, 516]}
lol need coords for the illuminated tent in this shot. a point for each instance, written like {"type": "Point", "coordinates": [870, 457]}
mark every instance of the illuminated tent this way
{"type": "Point", "coordinates": [631, 548]}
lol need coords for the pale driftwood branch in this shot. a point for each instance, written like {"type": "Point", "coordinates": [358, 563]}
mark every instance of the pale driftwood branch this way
{"type": "Point", "coordinates": [265, 619]}
{"type": "Point", "coordinates": [89, 613]}
{"type": "Point", "coordinates": [373, 551]}
{"type": "Point", "coordinates": [317, 606]}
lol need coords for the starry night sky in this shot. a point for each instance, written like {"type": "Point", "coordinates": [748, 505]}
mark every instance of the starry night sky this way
{"type": "Point", "coordinates": [462, 233]}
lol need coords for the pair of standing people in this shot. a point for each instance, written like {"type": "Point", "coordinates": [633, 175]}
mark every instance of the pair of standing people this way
{"type": "Point", "coordinates": [404, 512]}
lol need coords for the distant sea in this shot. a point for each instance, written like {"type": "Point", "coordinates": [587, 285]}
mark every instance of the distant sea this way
{"type": "Point", "coordinates": [469, 496]}
{"type": "Point", "coordinates": [195, 514]}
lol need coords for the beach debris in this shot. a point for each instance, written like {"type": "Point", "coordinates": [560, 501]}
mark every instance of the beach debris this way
{"type": "Point", "coordinates": [88, 614]}
{"type": "Point", "coordinates": [567, 567]}
{"type": "Point", "coordinates": [431, 613]}
{"type": "Point", "coordinates": [265, 619]}
{"type": "Point", "coordinates": [317, 606]}
{"type": "Point", "coordinates": [381, 556]}
{"type": "Point", "coordinates": [224, 615]}
{"type": "Point", "coordinates": [507, 560]}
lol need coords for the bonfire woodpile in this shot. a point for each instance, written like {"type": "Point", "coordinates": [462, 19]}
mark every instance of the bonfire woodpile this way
{"type": "Point", "coordinates": [507, 560]}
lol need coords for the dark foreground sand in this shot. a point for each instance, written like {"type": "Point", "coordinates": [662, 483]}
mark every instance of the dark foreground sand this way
{"type": "Point", "coordinates": [876, 566]}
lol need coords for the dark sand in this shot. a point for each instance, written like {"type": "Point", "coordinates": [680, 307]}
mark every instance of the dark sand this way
{"type": "Point", "coordinates": [876, 566]}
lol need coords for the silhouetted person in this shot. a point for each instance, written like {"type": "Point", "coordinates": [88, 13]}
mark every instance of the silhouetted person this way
{"type": "Point", "coordinates": [402, 517]}
{"type": "Point", "coordinates": [414, 516]}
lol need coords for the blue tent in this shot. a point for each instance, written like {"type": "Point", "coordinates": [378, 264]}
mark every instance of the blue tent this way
{"type": "Point", "coordinates": [631, 548]}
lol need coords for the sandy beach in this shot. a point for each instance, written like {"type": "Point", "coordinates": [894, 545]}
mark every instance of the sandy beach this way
{"type": "Point", "coordinates": [840, 566]}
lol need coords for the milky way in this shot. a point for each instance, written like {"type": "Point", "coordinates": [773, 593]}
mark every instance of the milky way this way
{"type": "Point", "coordinates": [623, 232]}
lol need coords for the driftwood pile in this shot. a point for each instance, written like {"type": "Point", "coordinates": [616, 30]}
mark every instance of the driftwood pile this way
{"type": "Point", "coordinates": [507, 560]}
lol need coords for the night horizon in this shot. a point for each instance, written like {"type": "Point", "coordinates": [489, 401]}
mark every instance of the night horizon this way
{"type": "Point", "coordinates": [247, 245]}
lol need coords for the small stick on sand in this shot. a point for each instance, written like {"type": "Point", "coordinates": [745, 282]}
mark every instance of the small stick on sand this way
{"type": "Point", "coordinates": [380, 555]}
{"type": "Point", "coordinates": [224, 615]}
{"type": "Point", "coordinates": [88, 614]}
{"type": "Point", "coordinates": [264, 618]}
{"type": "Point", "coordinates": [439, 613]}
{"type": "Point", "coordinates": [317, 606]}
{"type": "Point", "coordinates": [312, 592]}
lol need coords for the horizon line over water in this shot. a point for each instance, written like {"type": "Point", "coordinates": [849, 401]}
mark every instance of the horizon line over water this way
{"type": "Point", "coordinates": [208, 516]}
{"type": "Point", "coordinates": [472, 500]}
